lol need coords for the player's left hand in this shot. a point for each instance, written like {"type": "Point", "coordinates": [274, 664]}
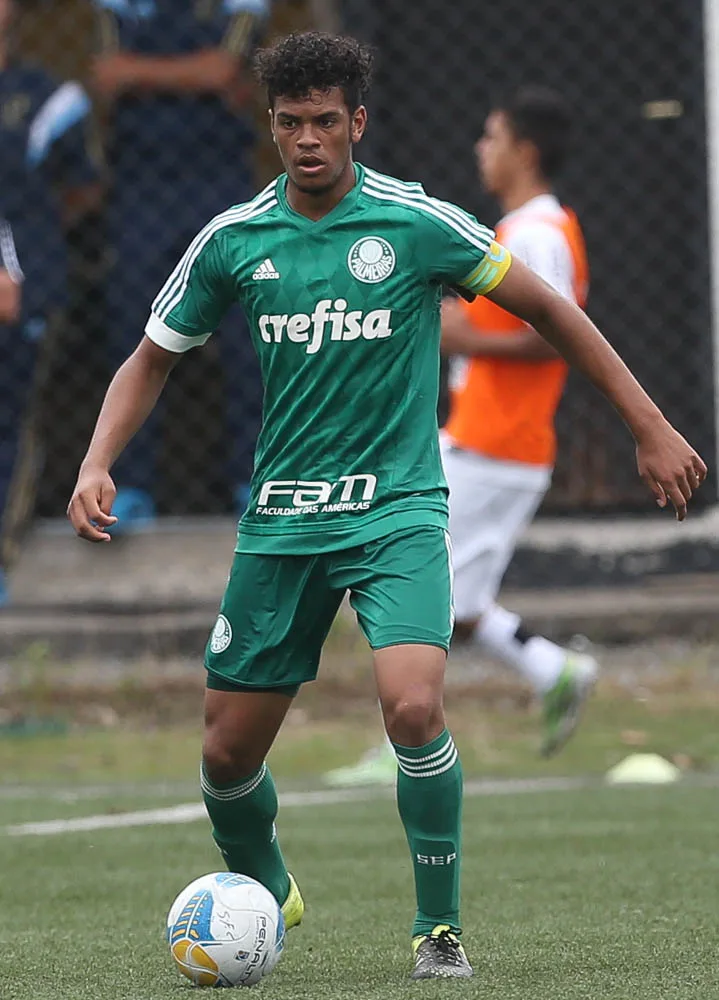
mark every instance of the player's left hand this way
{"type": "Point", "coordinates": [670, 467]}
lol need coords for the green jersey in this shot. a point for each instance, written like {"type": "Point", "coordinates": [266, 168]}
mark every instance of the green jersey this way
{"type": "Point", "coordinates": [344, 315]}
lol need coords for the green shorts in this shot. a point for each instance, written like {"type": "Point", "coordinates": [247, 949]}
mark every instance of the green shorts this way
{"type": "Point", "coordinates": [278, 609]}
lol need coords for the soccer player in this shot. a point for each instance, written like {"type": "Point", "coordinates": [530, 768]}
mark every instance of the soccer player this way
{"type": "Point", "coordinates": [499, 443]}
{"type": "Point", "coordinates": [340, 271]}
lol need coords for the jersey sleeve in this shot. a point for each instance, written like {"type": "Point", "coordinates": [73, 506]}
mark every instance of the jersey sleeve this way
{"type": "Point", "coordinates": [194, 299]}
{"type": "Point", "coordinates": [57, 139]}
{"type": "Point", "coordinates": [459, 250]}
{"type": "Point", "coordinates": [8, 254]}
{"type": "Point", "coordinates": [545, 251]}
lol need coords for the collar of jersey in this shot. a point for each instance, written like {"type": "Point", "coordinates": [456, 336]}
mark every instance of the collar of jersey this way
{"type": "Point", "coordinates": [341, 208]}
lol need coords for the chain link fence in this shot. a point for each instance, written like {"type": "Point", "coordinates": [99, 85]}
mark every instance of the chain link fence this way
{"type": "Point", "coordinates": [102, 196]}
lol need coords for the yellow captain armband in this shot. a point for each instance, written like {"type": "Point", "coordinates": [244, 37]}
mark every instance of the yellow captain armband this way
{"type": "Point", "coordinates": [487, 275]}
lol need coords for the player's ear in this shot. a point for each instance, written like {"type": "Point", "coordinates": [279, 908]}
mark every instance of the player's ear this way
{"type": "Point", "coordinates": [359, 123]}
{"type": "Point", "coordinates": [272, 125]}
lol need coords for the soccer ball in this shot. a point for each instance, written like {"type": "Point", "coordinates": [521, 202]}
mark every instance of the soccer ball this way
{"type": "Point", "coordinates": [225, 930]}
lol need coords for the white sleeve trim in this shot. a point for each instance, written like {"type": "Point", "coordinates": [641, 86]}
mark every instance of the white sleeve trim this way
{"type": "Point", "coordinates": [8, 253]}
{"type": "Point", "coordinates": [164, 336]}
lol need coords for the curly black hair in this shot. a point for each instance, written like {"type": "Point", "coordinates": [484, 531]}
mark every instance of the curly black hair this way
{"type": "Point", "coordinates": [315, 60]}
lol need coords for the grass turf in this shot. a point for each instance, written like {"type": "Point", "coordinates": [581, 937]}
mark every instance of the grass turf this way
{"type": "Point", "coordinates": [493, 741]}
{"type": "Point", "coordinates": [592, 893]}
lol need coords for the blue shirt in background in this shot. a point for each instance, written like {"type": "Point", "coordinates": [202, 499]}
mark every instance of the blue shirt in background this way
{"type": "Point", "coordinates": [42, 149]}
{"type": "Point", "coordinates": [189, 145]}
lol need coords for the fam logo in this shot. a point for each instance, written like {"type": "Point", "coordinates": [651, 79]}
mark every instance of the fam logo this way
{"type": "Point", "coordinates": [371, 259]}
{"type": "Point", "coordinates": [221, 635]}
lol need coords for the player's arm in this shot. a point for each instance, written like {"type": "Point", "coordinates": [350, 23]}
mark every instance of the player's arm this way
{"type": "Point", "coordinates": [667, 463]}
{"type": "Point", "coordinates": [543, 249]}
{"type": "Point", "coordinates": [216, 67]}
{"type": "Point", "coordinates": [188, 308]}
{"type": "Point", "coordinates": [460, 336]}
{"type": "Point", "coordinates": [129, 400]}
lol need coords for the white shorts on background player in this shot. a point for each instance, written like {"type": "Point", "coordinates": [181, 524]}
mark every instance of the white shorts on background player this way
{"type": "Point", "coordinates": [492, 502]}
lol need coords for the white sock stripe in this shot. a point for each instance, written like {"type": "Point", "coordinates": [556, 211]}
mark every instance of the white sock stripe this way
{"type": "Point", "coordinates": [420, 768]}
{"type": "Point", "coordinates": [452, 215]}
{"type": "Point", "coordinates": [180, 275]}
{"type": "Point", "coordinates": [233, 796]}
{"type": "Point", "coordinates": [435, 759]}
{"type": "Point", "coordinates": [229, 794]}
{"type": "Point", "coordinates": [430, 756]}
{"type": "Point", "coordinates": [430, 774]}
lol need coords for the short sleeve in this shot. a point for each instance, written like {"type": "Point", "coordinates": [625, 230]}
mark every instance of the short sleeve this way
{"type": "Point", "coordinates": [194, 299]}
{"type": "Point", "coordinates": [57, 138]}
{"type": "Point", "coordinates": [459, 250]}
{"type": "Point", "coordinates": [544, 250]}
{"type": "Point", "coordinates": [8, 254]}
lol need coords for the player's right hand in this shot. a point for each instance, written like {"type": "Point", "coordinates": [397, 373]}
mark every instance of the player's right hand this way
{"type": "Point", "coordinates": [669, 466]}
{"type": "Point", "coordinates": [90, 509]}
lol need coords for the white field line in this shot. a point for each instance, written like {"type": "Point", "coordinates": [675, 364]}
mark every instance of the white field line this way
{"type": "Point", "coordinates": [192, 811]}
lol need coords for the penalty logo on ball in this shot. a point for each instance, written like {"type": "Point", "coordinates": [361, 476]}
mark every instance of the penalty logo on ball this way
{"type": "Point", "coordinates": [371, 259]}
{"type": "Point", "coordinates": [221, 635]}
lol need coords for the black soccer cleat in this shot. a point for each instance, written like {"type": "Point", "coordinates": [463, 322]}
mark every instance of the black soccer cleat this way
{"type": "Point", "coordinates": [440, 955]}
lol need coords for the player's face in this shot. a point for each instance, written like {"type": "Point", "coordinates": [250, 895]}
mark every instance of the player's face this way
{"type": "Point", "coordinates": [315, 136]}
{"type": "Point", "coordinates": [498, 153]}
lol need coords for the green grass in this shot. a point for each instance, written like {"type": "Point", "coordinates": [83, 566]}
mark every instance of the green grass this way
{"type": "Point", "coordinates": [496, 741]}
{"type": "Point", "coordinates": [606, 894]}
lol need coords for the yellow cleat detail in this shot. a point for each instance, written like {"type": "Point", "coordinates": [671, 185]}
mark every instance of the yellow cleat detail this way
{"type": "Point", "coordinates": [293, 907]}
{"type": "Point", "coordinates": [439, 955]}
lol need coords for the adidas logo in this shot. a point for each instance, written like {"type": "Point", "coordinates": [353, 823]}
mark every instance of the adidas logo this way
{"type": "Point", "coordinates": [265, 271]}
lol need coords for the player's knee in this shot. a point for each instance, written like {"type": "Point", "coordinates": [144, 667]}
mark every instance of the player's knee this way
{"type": "Point", "coordinates": [227, 759]}
{"type": "Point", "coordinates": [415, 718]}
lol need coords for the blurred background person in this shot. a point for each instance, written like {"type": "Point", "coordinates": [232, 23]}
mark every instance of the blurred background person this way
{"type": "Point", "coordinates": [175, 76]}
{"type": "Point", "coordinates": [47, 180]}
{"type": "Point", "coordinates": [499, 442]}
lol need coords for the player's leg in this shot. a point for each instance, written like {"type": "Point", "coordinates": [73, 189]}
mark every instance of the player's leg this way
{"type": "Point", "coordinates": [487, 517]}
{"type": "Point", "coordinates": [410, 680]}
{"type": "Point", "coordinates": [239, 793]}
{"type": "Point", "coordinates": [401, 590]}
{"type": "Point", "coordinates": [274, 618]}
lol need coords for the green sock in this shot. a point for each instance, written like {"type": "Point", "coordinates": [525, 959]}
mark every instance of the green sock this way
{"type": "Point", "coordinates": [243, 824]}
{"type": "Point", "coordinates": [429, 797]}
